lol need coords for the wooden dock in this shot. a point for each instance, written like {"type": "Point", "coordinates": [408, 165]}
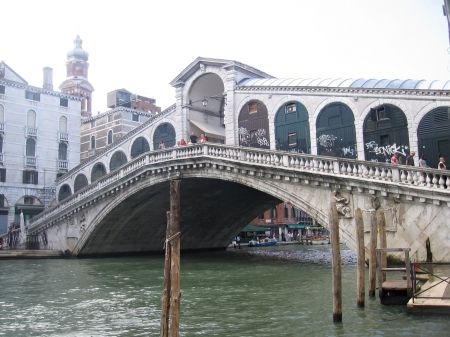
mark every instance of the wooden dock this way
{"type": "Point", "coordinates": [30, 254]}
{"type": "Point", "coordinates": [433, 297]}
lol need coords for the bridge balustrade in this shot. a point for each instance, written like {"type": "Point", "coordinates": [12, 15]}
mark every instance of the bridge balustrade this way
{"type": "Point", "coordinates": [332, 166]}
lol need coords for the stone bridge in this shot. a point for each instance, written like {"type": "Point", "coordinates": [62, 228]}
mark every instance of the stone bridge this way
{"type": "Point", "coordinates": [223, 187]}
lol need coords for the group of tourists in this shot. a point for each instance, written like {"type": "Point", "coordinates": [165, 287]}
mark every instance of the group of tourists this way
{"type": "Point", "coordinates": [422, 161]}
{"type": "Point", "coordinates": [193, 139]}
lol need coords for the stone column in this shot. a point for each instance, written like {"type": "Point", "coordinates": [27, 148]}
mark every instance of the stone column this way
{"type": "Point", "coordinates": [230, 118]}
{"type": "Point", "coordinates": [181, 113]}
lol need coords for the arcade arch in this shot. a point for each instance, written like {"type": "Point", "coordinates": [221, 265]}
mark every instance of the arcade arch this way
{"type": "Point", "coordinates": [140, 146]}
{"type": "Point", "coordinates": [166, 133]}
{"type": "Point", "coordinates": [117, 159]}
{"type": "Point", "coordinates": [253, 125]}
{"type": "Point", "coordinates": [98, 171]}
{"type": "Point", "coordinates": [64, 192]}
{"type": "Point", "coordinates": [80, 182]}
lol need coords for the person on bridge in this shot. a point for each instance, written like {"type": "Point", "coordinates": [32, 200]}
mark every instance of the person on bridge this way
{"type": "Point", "coordinates": [161, 145]}
{"type": "Point", "coordinates": [202, 138]}
{"type": "Point", "coordinates": [423, 161]}
{"type": "Point", "coordinates": [394, 159]}
{"type": "Point", "coordinates": [441, 165]}
{"type": "Point", "coordinates": [182, 142]}
{"type": "Point", "coordinates": [410, 159]}
{"type": "Point", "coordinates": [193, 138]}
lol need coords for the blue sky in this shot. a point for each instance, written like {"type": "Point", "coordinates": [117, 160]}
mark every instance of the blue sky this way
{"type": "Point", "coordinates": [143, 45]}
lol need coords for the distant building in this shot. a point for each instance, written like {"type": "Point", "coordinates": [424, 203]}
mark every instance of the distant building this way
{"type": "Point", "coordinates": [39, 140]}
{"type": "Point", "coordinates": [124, 98]}
{"type": "Point", "coordinates": [77, 82]}
{"type": "Point", "coordinates": [104, 129]}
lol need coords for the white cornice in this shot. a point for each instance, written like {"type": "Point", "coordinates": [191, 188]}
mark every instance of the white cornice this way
{"type": "Point", "coordinates": [39, 90]}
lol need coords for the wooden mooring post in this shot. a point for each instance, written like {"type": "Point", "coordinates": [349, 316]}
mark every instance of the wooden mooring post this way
{"type": "Point", "coordinates": [170, 311]}
{"type": "Point", "coordinates": [336, 262]}
{"type": "Point", "coordinates": [381, 224]}
{"type": "Point", "coordinates": [373, 254]}
{"type": "Point", "coordinates": [361, 254]}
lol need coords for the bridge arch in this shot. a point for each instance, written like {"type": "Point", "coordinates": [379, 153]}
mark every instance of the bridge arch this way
{"type": "Point", "coordinates": [335, 131]}
{"type": "Point", "coordinates": [206, 105]}
{"type": "Point", "coordinates": [246, 198]}
{"type": "Point", "coordinates": [64, 192]}
{"type": "Point", "coordinates": [385, 132]}
{"type": "Point", "coordinates": [98, 170]}
{"type": "Point", "coordinates": [117, 159]}
{"type": "Point", "coordinates": [291, 125]}
{"type": "Point", "coordinates": [165, 132]}
{"type": "Point", "coordinates": [80, 182]}
{"type": "Point", "coordinates": [253, 125]}
{"type": "Point", "coordinates": [139, 145]}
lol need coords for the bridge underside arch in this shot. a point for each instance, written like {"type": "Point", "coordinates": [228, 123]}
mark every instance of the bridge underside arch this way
{"type": "Point", "coordinates": [212, 212]}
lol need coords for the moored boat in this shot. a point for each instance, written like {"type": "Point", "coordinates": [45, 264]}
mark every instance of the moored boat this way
{"type": "Point", "coordinates": [320, 241]}
{"type": "Point", "coordinates": [262, 243]}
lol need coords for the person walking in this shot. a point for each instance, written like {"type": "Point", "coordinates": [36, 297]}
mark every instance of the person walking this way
{"type": "Point", "coordinates": [394, 159]}
{"type": "Point", "coordinates": [423, 161]}
{"type": "Point", "coordinates": [441, 165]}
{"type": "Point", "coordinates": [410, 159]}
{"type": "Point", "coordinates": [238, 241]}
{"type": "Point", "coordinates": [161, 145]}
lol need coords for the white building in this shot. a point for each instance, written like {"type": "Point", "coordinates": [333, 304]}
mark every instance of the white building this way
{"type": "Point", "coordinates": [39, 141]}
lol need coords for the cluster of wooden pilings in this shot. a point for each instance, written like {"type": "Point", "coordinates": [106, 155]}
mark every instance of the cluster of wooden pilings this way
{"type": "Point", "coordinates": [377, 228]}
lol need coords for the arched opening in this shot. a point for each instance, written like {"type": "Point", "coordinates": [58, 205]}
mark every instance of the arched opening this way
{"type": "Point", "coordinates": [62, 151]}
{"type": "Point", "coordinates": [433, 134]}
{"type": "Point", "coordinates": [166, 133]}
{"type": "Point", "coordinates": [386, 133]}
{"type": "Point", "coordinates": [140, 146]}
{"type": "Point", "coordinates": [31, 118]}
{"type": "Point", "coordinates": [80, 182]}
{"type": "Point", "coordinates": [63, 124]}
{"type": "Point", "coordinates": [292, 128]}
{"type": "Point", "coordinates": [29, 205]}
{"type": "Point", "coordinates": [118, 159]}
{"type": "Point", "coordinates": [110, 137]}
{"type": "Point", "coordinates": [206, 108]}
{"type": "Point", "coordinates": [93, 142]}
{"type": "Point", "coordinates": [98, 171]}
{"type": "Point", "coordinates": [336, 135]}
{"type": "Point", "coordinates": [254, 125]}
{"type": "Point", "coordinates": [64, 192]}
{"type": "Point", "coordinates": [31, 147]}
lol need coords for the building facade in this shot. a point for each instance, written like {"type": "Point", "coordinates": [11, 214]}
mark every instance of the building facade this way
{"type": "Point", "coordinates": [39, 141]}
{"type": "Point", "coordinates": [126, 99]}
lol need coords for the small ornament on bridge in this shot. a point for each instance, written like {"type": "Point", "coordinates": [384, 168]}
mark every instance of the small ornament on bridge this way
{"type": "Point", "coordinates": [342, 205]}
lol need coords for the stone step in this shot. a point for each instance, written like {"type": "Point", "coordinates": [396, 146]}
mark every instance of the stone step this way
{"type": "Point", "coordinates": [28, 254]}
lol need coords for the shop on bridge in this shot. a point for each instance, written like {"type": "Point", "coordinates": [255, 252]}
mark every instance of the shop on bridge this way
{"type": "Point", "coordinates": [254, 125]}
{"type": "Point", "coordinates": [292, 128]}
{"type": "Point", "coordinates": [336, 132]}
{"type": "Point", "coordinates": [386, 133]}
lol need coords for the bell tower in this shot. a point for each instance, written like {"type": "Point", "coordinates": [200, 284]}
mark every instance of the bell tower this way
{"type": "Point", "coordinates": [77, 82]}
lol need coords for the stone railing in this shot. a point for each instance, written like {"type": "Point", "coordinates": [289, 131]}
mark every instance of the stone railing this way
{"type": "Point", "coordinates": [31, 132]}
{"type": "Point", "coordinates": [367, 172]}
{"type": "Point", "coordinates": [63, 137]}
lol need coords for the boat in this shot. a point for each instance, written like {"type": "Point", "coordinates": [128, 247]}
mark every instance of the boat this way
{"type": "Point", "coordinates": [262, 243]}
{"type": "Point", "coordinates": [320, 241]}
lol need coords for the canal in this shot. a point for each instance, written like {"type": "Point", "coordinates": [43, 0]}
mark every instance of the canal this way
{"type": "Point", "coordinates": [274, 291]}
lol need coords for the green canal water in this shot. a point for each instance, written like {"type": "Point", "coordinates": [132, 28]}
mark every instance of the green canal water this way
{"type": "Point", "coordinates": [275, 291]}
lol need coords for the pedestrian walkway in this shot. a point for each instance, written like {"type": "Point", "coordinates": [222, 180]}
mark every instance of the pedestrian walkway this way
{"type": "Point", "coordinates": [433, 298]}
{"type": "Point", "coordinates": [30, 254]}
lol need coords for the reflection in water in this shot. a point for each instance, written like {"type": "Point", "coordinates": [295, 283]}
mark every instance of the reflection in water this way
{"type": "Point", "coordinates": [276, 291]}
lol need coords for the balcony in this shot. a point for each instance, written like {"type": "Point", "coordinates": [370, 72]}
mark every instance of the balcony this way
{"type": "Point", "coordinates": [32, 132]}
{"type": "Point", "coordinates": [1, 158]}
{"type": "Point", "coordinates": [30, 161]}
{"type": "Point", "coordinates": [2, 127]}
{"type": "Point", "coordinates": [63, 137]}
{"type": "Point", "coordinates": [63, 164]}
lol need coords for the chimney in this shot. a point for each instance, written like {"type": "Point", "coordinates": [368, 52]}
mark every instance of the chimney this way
{"type": "Point", "coordinates": [48, 78]}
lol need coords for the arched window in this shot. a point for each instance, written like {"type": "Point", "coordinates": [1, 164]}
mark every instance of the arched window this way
{"type": "Point", "coordinates": [62, 151]}
{"type": "Point", "coordinates": [286, 212]}
{"type": "Point", "coordinates": [98, 171]}
{"type": "Point", "coordinates": [273, 213]}
{"type": "Point", "coordinates": [110, 138]}
{"type": "Point", "coordinates": [118, 159]}
{"type": "Point", "coordinates": [166, 133]}
{"type": "Point", "coordinates": [64, 192]}
{"type": "Point", "coordinates": [31, 119]}
{"type": "Point", "coordinates": [2, 114]}
{"type": "Point", "coordinates": [294, 216]}
{"type": "Point", "coordinates": [254, 125]}
{"type": "Point", "coordinates": [1, 144]}
{"type": "Point", "coordinates": [80, 182]}
{"type": "Point", "coordinates": [93, 142]}
{"type": "Point", "coordinates": [140, 146]}
{"type": "Point", "coordinates": [31, 147]}
{"type": "Point", "coordinates": [63, 124]}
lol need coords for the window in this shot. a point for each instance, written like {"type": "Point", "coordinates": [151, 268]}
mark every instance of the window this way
{"type": "Point", "coordinates": [110, 118]}
{"type": "Point", "coordinates": [31, 118]}
{"type": "Point", "coordinates": [135, 118]}
{"type": "Point", "coordinates": [381, 113]}
{"type": "Point", "coordinates": [273, 213]}
{"type": "Point", "coordinates": [384, 140]}
{"type": "Point", "coordinates": [110, 137]}
{"type": "Point", "coordinates": [64, 102]}
{"type": "Point", "coordinates": [93, 123]}
{"type": "Point", "coordinates": [59, 175]}
{"type": "Point", "coordinates": [2, 200]}
{"type": "Point", "coordinates": [2, 114]}
{"type": "Point", "coordinates": [62, 151]}
{"type": "Point", "coordinates": [2, 89]}
{"type": "Point", "coordinates": [63, 124]}
{"type": "Point", "coordinates": [286, 212]}
{"type": "Point", "coordinates": [31, 147]}
{"type": "Point", "coordinates": [28, 200]}
{"type": "Point", "coordinates": [34, 96]}
{"type": "Point", "coordinates": [292, 139]}
{"type": "Point", "coordinates": [261, 216]}
{"type": "Point", "coordinates": [1, 144]}
{"type": "Point", "coordinates": [252, 108]}
{"type": "Point", "coordinates": [291, 108]}
{"type": "Point", "coordinates": [2, 175]}
{"type": "Point", "coordinates": [93, 142]}
{"type": "Point", "coordinates": [30, 177]}
{"type": "Point", "coordinates": [293, 213]}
